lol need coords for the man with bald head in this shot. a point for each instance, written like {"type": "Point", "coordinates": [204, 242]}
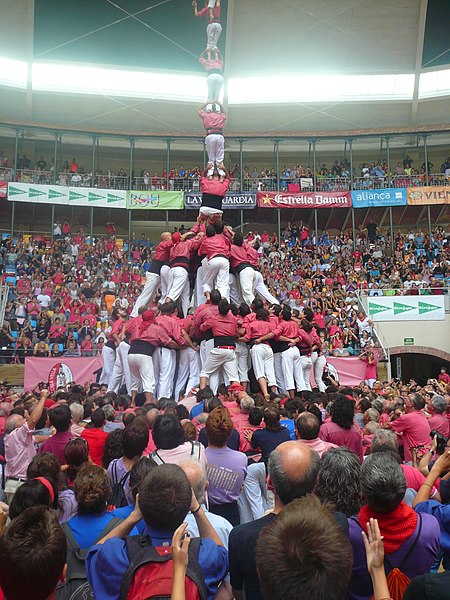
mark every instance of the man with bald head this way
{"type": "Point", "coordinates": [307, 428]}
{"type": "Point", "coordinates": [196, 473]}
{"type": "Point", "coordinates": [150, 419]}
{"type": "Point", "coordinates": [293, 470]}
{"type": "Point", "coordinates": [153, 275]}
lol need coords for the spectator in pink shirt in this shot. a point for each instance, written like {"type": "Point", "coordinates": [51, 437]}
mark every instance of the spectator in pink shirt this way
{"type": "Point", "coordinates": [341, 430]}
{"type": "Point", "coordinates": [307, 430]}
{"type": "Point", "coordinates": [19, 445]}
{"type": "Point", "coordinates": [438, 421]}
{"type": "Point", "coordinates": [413, 426]}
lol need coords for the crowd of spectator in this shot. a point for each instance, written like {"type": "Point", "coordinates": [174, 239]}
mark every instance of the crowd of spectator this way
{"type": "Point", "coordinates": [93, 483]}
{"type": "Point", "coordinates": [328, 178]}
{"type": "Point", "coordinates": [64, 298]}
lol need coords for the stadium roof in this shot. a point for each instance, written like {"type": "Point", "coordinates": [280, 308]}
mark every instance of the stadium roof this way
{"type": "Point", "coordinates": [313, 65]}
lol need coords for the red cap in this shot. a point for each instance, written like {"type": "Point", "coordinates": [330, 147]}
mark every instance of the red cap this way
{"type": "Point", "coordinates": [176, 237]}
{"type": "Point", "coordinates": [49, 404]}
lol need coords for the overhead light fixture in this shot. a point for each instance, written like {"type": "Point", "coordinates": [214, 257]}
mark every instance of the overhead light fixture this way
{"type": "Point", "coordinates": [320, 88]}
{"type": "Point", "coordinates": [13, 73]}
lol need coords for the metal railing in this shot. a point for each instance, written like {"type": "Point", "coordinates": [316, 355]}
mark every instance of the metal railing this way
{"type": "Point", "coordinates": [270, 183]}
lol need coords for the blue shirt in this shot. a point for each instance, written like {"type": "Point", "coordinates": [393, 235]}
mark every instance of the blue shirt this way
{"type": "Point", "coordinates": [196, 410]}
{"type": "Point", "coordinates": [106, 564]}
{"type": "Point", "coordinates": [442, 513]}
{"type": "Point", "coordinates": [290, 426]}
{"type": "Point", "coordinates": [87, 528]}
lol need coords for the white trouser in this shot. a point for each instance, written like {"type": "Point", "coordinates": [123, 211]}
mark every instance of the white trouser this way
{"type": "Point", "coordinates": [142, 374]}
{"type": "Point", "coordinates": [235, 293]}
{"type": "Point", "coordinates": [188, 371]}
{"type": "Point", "coordinates": [213, 31]}
{"type": "Point", "coordinates": [109, 358]}
{"type": "Point", "coordinates": [221, 357]}
{"type": "Point", "coordinates": [150, 287]}
{"type": "Point", "coordinates": [164, 363]}
{"type": "Point", "coordinates": [218, 269]}
{"type": "Point", "coordinates": [254, 499]}
{"type": "Point", "coordinates": [319, 363]}
{"type": "Point", "coordinates": [210, 212]}
{"type": "Point", "coordinates": [261, 289]}
{"type": "Point", "coordinates": [199, 296]}
{"type": "Point", "coordinates": [205, 348]}
{"type": "Point", "coordinates": [215, 83]}
{"type": "Point", "coordinates": [179, 287]}
{"type": "Point", "coordinates": [290, 359]}
{"type": "Point", "coordinates": [306, 364]}
{"type": "Point", "coordinates": [121, 371]}
{"type": "Point", "coordinates": [262, 361]}
{"type": "Point", "coordinates": [247, 283]}
{"type": "Point", "coordinates": [212, 3]}
{"type": "Point", "coordinates": [242, 355]}
{"type": "Point", "coordinates": [215, 147]}
{"type": "Point", "coordinates": [279, 375]}
{"type": "Point", "coordinates": [165, 282]}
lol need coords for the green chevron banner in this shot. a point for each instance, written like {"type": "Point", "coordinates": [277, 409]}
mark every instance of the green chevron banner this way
{"type": "Point", "coordinates": [75, 196]}
{"type": "Point", "coordinates": [406, 308]}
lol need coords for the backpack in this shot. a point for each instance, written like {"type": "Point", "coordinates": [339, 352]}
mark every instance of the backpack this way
{"type": "Point", "coordinates": [76, 585]}
{"type": "Point", "coordinates": [150, 572]}
{"type": "Point", "coordinates": [196, 448]}
{"type": "Point", "coordinates": [118, 497]}
{"type": "Point", "coordinates": [397, 581]}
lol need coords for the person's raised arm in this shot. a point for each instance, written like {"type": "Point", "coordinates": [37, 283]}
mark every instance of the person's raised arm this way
{"type": "Point", "coordinates": [205, 529]}
{"type": "Point", "coordinates": [125, 528]}
{"type": "Point", "coordinates": [180, 555]}
{"type": "Point", "coordinates": [373, 544]}
{"type": "Point", "coordinates": [440, 466]}
{"type": "Point", "coordinates": [37, 411]}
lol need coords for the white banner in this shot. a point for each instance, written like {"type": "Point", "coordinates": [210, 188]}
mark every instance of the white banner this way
{"type": "Point", "coordinates": [406, 308]}
{"type": "Point", "coordinates": [74, 196]}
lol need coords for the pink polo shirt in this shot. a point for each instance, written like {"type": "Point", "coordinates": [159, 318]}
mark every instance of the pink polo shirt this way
{"type": "Point", "coordinates": [19, 451]}
{"type": "Point", "coordinates": [319, 445]}
{"type": "Point", "coordinates": [439, 423]}
{"type": "Point", "coordinates": [415, 429]}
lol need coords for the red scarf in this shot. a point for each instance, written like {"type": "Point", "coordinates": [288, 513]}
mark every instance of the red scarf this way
{"type": "Point", "coordinates": [396, 527]}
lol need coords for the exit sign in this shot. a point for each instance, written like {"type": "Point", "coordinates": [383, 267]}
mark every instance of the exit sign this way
{"type": "Point", "coordinates": [408, 341]}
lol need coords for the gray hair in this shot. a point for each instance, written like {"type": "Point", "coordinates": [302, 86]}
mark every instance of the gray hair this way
{"type": "Point", "coordinates": [289, 489]}
{"type": "Point", "coordinates": [151, 417]}
{"type": "Point", "coordinates": [339, 480]}
{"type": "Point", "coordinates": [378, 405]}
{"type": "Point", "coordinates": [383, 437]}
{"type": "Point", "coordinates": [247, 403]}
{"type": "Point", "coordinates": [197, 480]}
{"type": "Point", "coordinates": [439, 404]}
{"type": "Point", "coordinates": [372, 414]}
{"type": "Point", "coordinates": [383, 482]}
{"type": "Point", "coordinates": [12, 423]}
{"type": "Point", "coordinates": [110, 415]}
{"type": "Point", "coordinates": [77, 412]}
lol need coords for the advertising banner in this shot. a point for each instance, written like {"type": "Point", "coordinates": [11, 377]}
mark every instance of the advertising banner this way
{"type": "Point", "coordinates": [74, 196]}
{"type": "Point", "coordinates": [406, 308]}
{"type": "Point", "coordinates": [433, 194]}
{"type": "Point", "coordinates": [57, 372]}
{"type": "Point", "coordinates": [304, 200]}
{"type": "Point", "coordinates": [3, 189]}
{"type": "Point", "coordinates": [155, 200]}
{"type": "Point", "coordinates": [384, 197]}
{"type": "Point", "coordinates": [231, 200]}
